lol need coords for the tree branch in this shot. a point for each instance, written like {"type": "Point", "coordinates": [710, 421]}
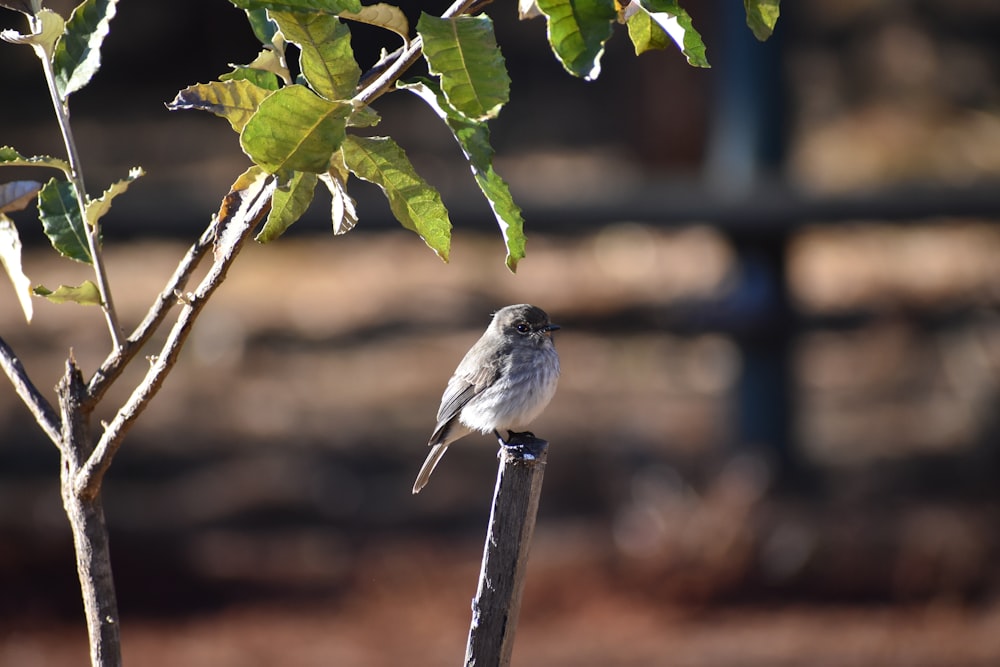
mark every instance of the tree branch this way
{"type": "Point", "coordinates": [235, 230]}
{"type": "Point", "coordinates": [116, 362]}
{"type": "Point", "coordinates": [43, 411]}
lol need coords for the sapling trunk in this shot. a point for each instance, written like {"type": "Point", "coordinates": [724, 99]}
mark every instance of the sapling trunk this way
{"type": "Point", "coordinates": [86, 519]}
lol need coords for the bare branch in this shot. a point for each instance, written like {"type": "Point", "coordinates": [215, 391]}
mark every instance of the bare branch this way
{"type": "Point", "coordinates": [255, 204]}
{"type": "Point", "coordinates": [116, 362]}
{"type": "Point", "coordinates": [43, 411]}
{"type": "Point", "coordinates": [384, 82]}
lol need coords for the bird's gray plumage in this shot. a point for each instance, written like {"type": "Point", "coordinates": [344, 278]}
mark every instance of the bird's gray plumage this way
{"type": "Point", "coordinates": [504, 381]}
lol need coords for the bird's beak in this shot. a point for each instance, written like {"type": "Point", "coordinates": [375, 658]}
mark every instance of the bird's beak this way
{"type": "Point", "coordinates": [552, 327]}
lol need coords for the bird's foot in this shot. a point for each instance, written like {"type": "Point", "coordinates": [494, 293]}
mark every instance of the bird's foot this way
{"type": "Point", "coordinates": [513, 436]}
{"type": "Point", "coordinates": [524, 443]}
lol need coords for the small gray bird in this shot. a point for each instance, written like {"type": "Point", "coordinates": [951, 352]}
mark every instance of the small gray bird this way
{"type": "Point", "coordinates": [504, 382]}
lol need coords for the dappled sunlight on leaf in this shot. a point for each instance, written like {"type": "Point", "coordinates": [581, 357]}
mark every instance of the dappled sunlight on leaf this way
{"type": "Point", "coordinates": [326, 58]}
{"type": "Point", "coordinates": [85, 294]}
{"type": "Point", "coordinates": [463, 52]}
{"type": "Point", "coordinates": [651, 22]}
{"type": "Point", "coordinates": [287, 206]}
{"type": "Point", "coordinates": [577, 32]}
{"type": "Point", "coordinates": [762, 15]}
{"type": "Point", "coordinates": [77, 55]}
{"type": "Point", "coordinates": [294, 129]}
{"type": "Point", "coordinates": [97, 208]}
{"type": "Point", "coordinates": [235, 100]}
{"type": "Point", "coordinates": [414, 202]}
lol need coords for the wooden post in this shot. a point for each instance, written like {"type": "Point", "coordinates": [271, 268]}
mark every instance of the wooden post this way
{"type": "Point", "coordinates": [505, 555]}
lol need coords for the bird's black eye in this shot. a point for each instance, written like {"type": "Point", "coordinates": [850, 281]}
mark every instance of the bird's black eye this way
{"type": "Point", "coordinates": [523, 328]}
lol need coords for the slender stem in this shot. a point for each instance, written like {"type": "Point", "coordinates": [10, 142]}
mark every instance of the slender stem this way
{"type": "Point", "coordinates": [76, 177]}
{"type": "Point", "coordinates": [408, 55]}
{"type": "Point", "coordinates": [116, 362]}
{"type": "Point", "coordinates": [43, 411]}
{"type": "Point", "coordinates": [235, 232]}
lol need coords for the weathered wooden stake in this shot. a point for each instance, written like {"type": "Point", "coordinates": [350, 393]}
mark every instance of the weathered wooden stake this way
{"type": "Point", "coordinates": [505, 555]}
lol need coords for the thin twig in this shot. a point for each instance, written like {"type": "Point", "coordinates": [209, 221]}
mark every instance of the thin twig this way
{"type": "Point", "coordinates": [383, 84]}
{"type": "Point", "coordinates": [43, 411]}
{"type": "Point", "coordinates": [255, 205]}
{"type": "Point", "coordinates": [116, 362]}
{"type": "Point", "coordinates": [93, 231]}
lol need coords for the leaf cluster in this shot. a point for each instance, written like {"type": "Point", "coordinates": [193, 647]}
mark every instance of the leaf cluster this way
{"type": "Point", "coordinates": [300, 123]}
{"type": "Point", "coordinates": [302, 127]}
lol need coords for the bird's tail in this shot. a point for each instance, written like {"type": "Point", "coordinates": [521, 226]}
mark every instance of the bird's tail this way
{"type": "Point", "coordinates": [437, 451]}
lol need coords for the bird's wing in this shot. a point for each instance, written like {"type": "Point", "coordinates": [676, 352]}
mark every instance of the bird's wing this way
{"type": "Point", "coordinates": [461, 389]}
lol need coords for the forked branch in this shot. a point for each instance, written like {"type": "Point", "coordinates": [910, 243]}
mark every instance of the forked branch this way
{"type": "Point", "coordinates": [234, 232]}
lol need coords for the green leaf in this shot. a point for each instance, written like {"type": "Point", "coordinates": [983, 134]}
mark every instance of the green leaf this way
{"type": "Point", "coordinates": [363, 115]}
{"type": "Point", "coordinates": [416, 205]}
{"type": "Point", "coordinates": [652, 22]}
{"type": "Point", "coordinates": [270, 59]}
{"type": "Point", "coordinates": [97, 208]}
{"type": "Point", "coordinates": [762, 16]}
{"type": "Point", "coordinates": [16, 195]}
{"type": "Point", "coordinates": [474, 139]}
{"type": "Point", "coordinates": [295, 129]}
{"type": "Point", "coordinates": [577, 31]}
{"type": "Point", "coordinates": [506, 212]}
{"type": "Point", "coordinates": [236, 100]}
{"type": "Point", "coordinates": [10, 257]}
{"type": "Point", "coordinates": [49, 28]}
{"type": "Point", "coordinates": [463, 52]}
{"type": "Point", "coordinates": [11, 158]}
{"type": "Point", "coordinates": [262, 78]}
{"type": "Point", "coordinates": [78, 52]}
{"type": "Point", "coordinates": [263, 27]}
{"type": "Point", "coordinates": [326, 58]}
{"type": "Point", "coordinates": [86, 294]}
{"type": "Point", "coordinates": [307, 6]}
{"type": "Point", "coordinates": [645, 33]}
{"type": "Point", "coordinates": [287, 205]}
{"type": "Point", "coordinates": [61, 220]}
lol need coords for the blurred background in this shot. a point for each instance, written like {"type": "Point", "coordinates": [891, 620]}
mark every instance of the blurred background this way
{"type": "Point", "coordinates": [779, 414]}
